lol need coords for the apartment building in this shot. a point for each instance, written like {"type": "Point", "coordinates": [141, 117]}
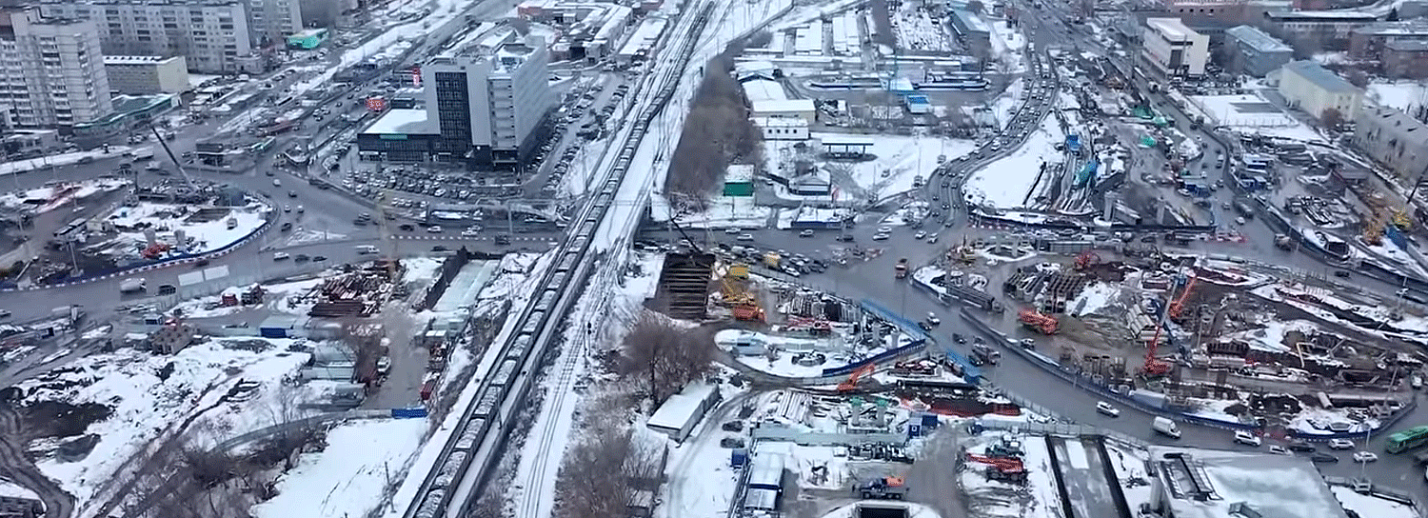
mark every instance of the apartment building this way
{"type": "Point", "coordinates": [147, 75]}
{"type": "Point", "coordinates": [53, 70]}
{"type": "Point", "coordinates": [214, 35]}
{"type": "Point", "coordinates": [1174, 48]}
{"type": "Point", "coordinates": [1370, 41]}
{"type": "Point", "coordinates": [1405, 59]}
{"type": "Point", "coordinates": [1325, 30]}
{"type": "Point", "coordinates": [272, 21]}
{"type": "Point", "coordinates": [1393, 139]}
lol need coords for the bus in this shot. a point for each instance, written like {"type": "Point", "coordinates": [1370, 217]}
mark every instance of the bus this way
{"type": "Point", "coordinates": [1407, 440]}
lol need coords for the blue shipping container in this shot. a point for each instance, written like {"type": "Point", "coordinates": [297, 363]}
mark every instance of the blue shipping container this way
{"type": "Point", "coordinates": [409, 413]}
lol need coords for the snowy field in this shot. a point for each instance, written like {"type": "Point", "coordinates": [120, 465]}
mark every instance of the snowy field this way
{"type": "Point", "coordinates": [1402, 95]}
{"type": "Point", "coordinates": [1005, 184]}
{"type": "Point", "coordinates": [1250, 113]}
{"type": "Point", "coordinates": [915, 30]}
{"type": "Point", "coordinates": [349, 477]}
{"type": "Point", "coordinates": [898, 161]}
{"type": "Point", "coordinates": [146, 405]}
{"type": "Point", "coordinates": [1369, 506]}
{"type": "Point", "coordinates": [205, 235]}
{"type": "Point", "coordinates": [724, 212]}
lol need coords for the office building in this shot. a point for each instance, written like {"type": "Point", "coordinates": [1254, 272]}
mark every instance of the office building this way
{"type": "Point", "coordinates": [1394, 140]}
{"type": "Point", "coordinates": [213, 35]}
{"type": "Point", "coordinates": [489, 111]}
{"type": "Point", "coordinates": [53, 70]}
{"type": "Point", "coordinates": [146, 75]}
{"type": "Point", "coordinates": [1369, 42]}
{"type": "Point", "coordinates": [1314, 89]}
{"type": "Point", "coordinates": [973, 32]}
{"type": "Point", "coordinates": [1405, 59]}
{"type": "Point", "coordinates": [1253, 52]}
{"type": "Point", "coordinates": [1326, 30]}
{"type": "Point", "coordinates": [1174, 48]}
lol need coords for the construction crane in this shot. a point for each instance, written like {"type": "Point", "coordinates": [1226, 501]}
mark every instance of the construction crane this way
{"type": "Point", "coordinates": [177, 165]}
{"type": "Point", "coordinates": [857, 375]}
{"type": "Point", "coordinates": [744, 305]}
{"type": "Point", "coordinates": [1179, 305]}
{"type": "Point", "coordinates": [389, 249]}
{"type": "Point", "coordinates": [1039, 321]}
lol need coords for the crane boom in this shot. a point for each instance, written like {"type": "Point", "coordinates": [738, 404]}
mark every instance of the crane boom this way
{"type": "Point", "coordinates": [177, 165]}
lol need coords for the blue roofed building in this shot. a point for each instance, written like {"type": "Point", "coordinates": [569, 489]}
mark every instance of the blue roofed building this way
{"type": "Point", "coordinates": [1253, 52]}
{"type": "Point", "coordinates": [1317, 90]}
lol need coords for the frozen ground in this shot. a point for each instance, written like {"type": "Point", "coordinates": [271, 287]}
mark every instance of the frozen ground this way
{"type": "Point", "coordinates": [205, 235]}
{"type": "Point", "coordinates": [146, 405]}
{"type": "Point", "coordinates": [1250, 113]}
{"type": "Point", "coordinates": [1007, 44]}
{"type": "Point", "coordinates": [898, 160]}
{"type": "Point", "coordinates": [724, 212]}
{"type": "Point", "coordinates": [1403, 95]}
{"type": "Point", "coordinates": [1006, 183]}
{"type": "Point", "coordinates": [351, 475]}
{"type": "Point", "coordinates": [995, 499]}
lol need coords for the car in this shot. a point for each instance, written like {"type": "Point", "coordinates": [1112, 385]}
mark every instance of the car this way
{"type": "Point", "coordinates": [925, 326]}
{"type": "Point", "coordinates": [932, 319]}
{"type": "Point", "coordinates": [438, 248]}
{"type": "Point", "coordinates": [745, 237]}
{"type": "Point", "coordinates": [1106, 408]}
{"type": "Point", "coordinates": [1148, 239]}
{"type": "Point", "coordinates": [318, 258]}
{"type": "Point", "coordinates": [280, 256]}
{"type": "Point", "coordinates": [5, 313]}
{"type": "Point", "coordinates": [880, 236]}
{"type": "Point", "coordinates": [1323, 458]}
{"type": "Point", "coordinates": [1344, 274]}
{"type": "Point", "coordinates": [1247, 439]}
{"type": "Point", "coordinates": [1341, 444]}
{"type": "Point", "coordinates": [932, 239]}
{"type": "Point", "coordinates": [292, 194]}
{"type": "Point", "coordinates": [503, 239]}
{"type": "Point", "coordinates": [287, 208]}
{"type": "Point", "coordinates": [300, 209]}
{"type": "Point", "coordinates": [270, 172]}
{"type": "Point", "coordinates": [733, 231]}
{"type": "Point", "coordinates": [1279, 450]}
{"type": "Point", "coordinates": [1365, 456]}
{"type": "Point", "coordinates": [287, 225]}
{"type": "Point", "coordinates": [434, 229]}
{"type": "Point", "coordinates": [408, 227]}
{"type": "Point", "coordinates": [808, 232]}
{"type": "Point", "coordinates": [1301, 446]}
{"type": "Point", "coordinates": [277, 182]}
{"type": "Point", "coordinates": [919, 235]}
{"type": "Point", "coordinates": [846, 238]}
{"type": "Point", "coordinates": [384, 365]}
{"type": "Point", "coordinates": [884, 230]}
{"type": "Point", "coordinates": [302, 258]}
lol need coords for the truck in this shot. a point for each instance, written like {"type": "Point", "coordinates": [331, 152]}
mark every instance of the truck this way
{"type": "Point", "coordinates": [986, 354]}
{"type": "Point", "coordinates": [132, 285]}
{"type": "Point", "coordinates": [772, 260]}
{"type": "Point", "coordinates": [154, 165]}
{"type": "Point", "coordinates": [901, 268]}
{"type": "Point", "coordinates": [144, 153]}
{"type": "Point", "coordinates": [1244, 209]}
{"type": "Point", "coordinates": [366, 249]}
{"type": "Point", "coordinates": [1165, 427]}
{"type": "Point", "coordinates": [883, 488]}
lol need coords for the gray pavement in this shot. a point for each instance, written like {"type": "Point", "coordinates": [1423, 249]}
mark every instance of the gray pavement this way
{"type": "Point", "coordinates": [1082, 473]}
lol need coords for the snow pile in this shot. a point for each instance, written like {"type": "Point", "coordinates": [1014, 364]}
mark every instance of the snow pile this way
{"type": "Point", "coordinates": [420, 268]}
{"type": "Point", "coordinates": [350, 476]}
{"type": "Point", "coordinates": [1094, 298]}
{"type": "Point", "coordinates": [1008, 183]}
{"type": "Point", "coordinates": [149, 396]}
{"type": "Point", "coordinates": [205, 234]}
{"type": "Point", "coordinates": [1372, 506]}
{"type": "Point", "coordinates": [1271, 336]}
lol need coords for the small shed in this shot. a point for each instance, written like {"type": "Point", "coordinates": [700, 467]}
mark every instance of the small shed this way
{"type": "Point", "coordinates": [815, 183]}
{"type": "Point", "coordinates": [761, 500]}
{"type": "Point", "coordinates": [678, 415]}
{"type": "Point", "coordinates": [846, 146]}
{"type": "Point", "coordinates": [766, 472]}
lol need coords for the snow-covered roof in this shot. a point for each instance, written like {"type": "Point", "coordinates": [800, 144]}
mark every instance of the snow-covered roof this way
{"type": "Point", "coordinates": [779, 122]}
{"type": "Point", "coordinates": [680, 408]}
{"type": "Point", "coordinates": [644, 37]}
{"type": "Point", "coordinates": [766, 471]}
{"type": "Point", "coordinates": [13, 490]}
{"type": "Point", "coordinates": [739, 173]}
{"type": "Point", "coordinates": [764, 90]}
{"type": "Point", "coordinates": [1257, 39]}
{"type": "Point", "coordinates": [400, 122]}
{"type": "Point", "coordinates": [783, 106]}
{"type": "Point", "coordinates": [1320, 76]}
{"type": "Point", "coordinates": [761, 499]}
{"type": "Point", "coordinates": [1271, 485]}
{"type": "Point", "coordinates": [1172, 29]}
{"type": "Point", "coordinates": [843, 140]}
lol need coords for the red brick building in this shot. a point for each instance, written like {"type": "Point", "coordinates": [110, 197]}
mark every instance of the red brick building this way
{"type": "Point", "coordinates": [1406, 59]}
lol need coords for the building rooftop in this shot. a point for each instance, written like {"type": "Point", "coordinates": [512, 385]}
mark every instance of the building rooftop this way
{"type": "Point", "coordinates": [679, 408]}
{"type": "Point", "coordinates": [1258, 39]}
{"type": "Point", "coordinates": [1170, 28]}
{"type": "Point", "coordinates": [1343, 15]}
{"type": "Point", "coordinates": [1321, 76]}
{"type": "Point", "coordinates": [1402, 127]}
{"type": "Point", "coordinates": [1407, 45]}
{"type": "Point", "coordinates": [400, 122]}
{"type": "Point", "coordinates": [1220, 484]}
{"type": "Point", "coordinates": [971, 21]}
{"type": "Point", "coordinates": [783, 105]}
{"type": "Point", "coordinates": [764, 90]}
{"type": "Point", "coordinates": [1399, 28]}
{"type": "Point", "coordinates": [137, 60]}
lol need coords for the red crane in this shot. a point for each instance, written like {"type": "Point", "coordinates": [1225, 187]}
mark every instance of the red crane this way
{"type": "Point", "coordinates": [1179, 304]}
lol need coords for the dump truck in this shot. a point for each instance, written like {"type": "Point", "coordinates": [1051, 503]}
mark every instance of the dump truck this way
{"type": "Point", "coordinates": [901, 268]}
{"type": "Point", "coordinates": [986, 354]}
{"type": "Point", "coordinates": [883, 488]}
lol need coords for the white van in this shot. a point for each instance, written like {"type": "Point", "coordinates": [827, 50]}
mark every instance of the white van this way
{"type": "Point", "coordinates": [1165, 426]}
{"type": "Point", "coordinates": [366, 249]}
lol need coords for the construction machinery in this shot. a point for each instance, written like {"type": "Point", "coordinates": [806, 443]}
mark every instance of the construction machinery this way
{"type": "Point", "coordinates": [851, 383]}
{"type": "Point", "coordinates": [1006, 469]}
{"type": "Point", "coordinates": [743, 303]}
{"type": "Point", "coordinates": [883, 488]}
{"type": "Point", "coordinates": [1177, 307]}
{"type": "Point", "coordinates": [1087, 259]}
{"type": "Point", "coordinates": [1046, 324]}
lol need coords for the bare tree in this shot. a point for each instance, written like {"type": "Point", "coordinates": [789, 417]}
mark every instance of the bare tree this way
{"type": "Point", "coordinates": [1331, 118]}
{"type": "Point", "coordinates": [592, 481]}
{"type": "Point", "coordinates": [667, 355]}
{"type": "Point", "coordinates": [1358, 78]}
{"type": "Point", "coordinates": [717, 132]}
{"type": "Point", "coordinates": [975, 6]}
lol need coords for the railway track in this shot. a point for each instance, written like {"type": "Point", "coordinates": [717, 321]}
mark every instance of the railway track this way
{"type": "Point", "coordinates": [454, 484]}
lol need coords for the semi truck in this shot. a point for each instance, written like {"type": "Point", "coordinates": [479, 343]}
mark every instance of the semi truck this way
{"type": "Point", "coordinates": [901, 268]}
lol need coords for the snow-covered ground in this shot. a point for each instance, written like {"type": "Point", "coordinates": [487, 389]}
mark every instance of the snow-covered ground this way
{"type": "Point", "coordinates": [996, 499]}
{"type": "Point", "coordinates": [349, 477]}
{"type": "Point", "coordinates": [1271, 336]}
{"type": "Point", "coordinates": [1094, 298]}
{"type": "Point", "coordinates": [45, 199]}
{"type": "Point", "coordinates": [149, 394]}
{"type": "Point", "coordinates": [1129, 464]}
{"type": "Point", "coordinates": [206, 235]}
{"type": "Point", "coordinates": [1369, 506]}
{"type": "Point", "coordinates": [1007, 45]}
{"type": "Point", "coordinates": [1250, 113]}
{"type": "Point", "coordinates": [724, 212]}
{"type": "Point", "coordinates": [1005, 184]}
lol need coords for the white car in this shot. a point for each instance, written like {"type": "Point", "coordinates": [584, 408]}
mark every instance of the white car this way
{"type": "Point", "coordinates": [745, 237]}
{"type": "Point", "coordinates": [880, 236]}
{"type": "Point", "coordinates": [884, 230]}
{"type": "Point", "coordinates": [733, 231]}
{"type": "Point", "coordinates": [1106, 408]}
{"type": "Point", "coordinates": [932, 319]}
{"type": "Point", "coordinates": [277, 182]}
{"type": "Point", "coordinates": [280, 256]}
{"type": "Point", "coordinates": [1341, 444]}
{"type": "Point", "coordinates": [1277, 449]}
{"type": "Point", "coordinates": [473, 231]}
{"type": "Point", "coordinates": [1365, 456]}
{"type": "Point", "coordinates": [434, 229]}
{"type": "Point", "coordinates": [919, 235]}
{"type": "Point", "coordinates": [1247, 439]}
{"type": "Point", "coordinates": [932, 239]}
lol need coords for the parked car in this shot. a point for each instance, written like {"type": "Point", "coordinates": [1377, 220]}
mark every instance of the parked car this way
{"type": "Point", "coordinates": [302, 258]}
{"type": "Point", "coordinates": [1341, 444]}
{"type": "Point", "coordinates": [932, 319]}
{"type": "Point", "coordinates": [1301, 446]}
{"type": "Point", "coordinates": [1365, 456]}
{"type": "Point", "coordinates": [1106, 408]}
{"type": "Point", "coordinates": [434, 229]}
{"type": "Point", "coordinates": [880, 236]}
{"type": "Point", "coordinates": [846, 238]}
{"type": "Point", "coordinates": [1247, 439]}
{"type": "Point", "coordinates": [1277, 449]}
{"type": "Point", "coordinates": [280, 256]}
{"type": "Point", "coordinates": [808, 232]}
{"type": "Point", "coordinates": [1323, 458]}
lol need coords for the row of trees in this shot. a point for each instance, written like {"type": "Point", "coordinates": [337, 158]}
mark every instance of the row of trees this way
{"type": "Point", "coordinates": [717, 132]}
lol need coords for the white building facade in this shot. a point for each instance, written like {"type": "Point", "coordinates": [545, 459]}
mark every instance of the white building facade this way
{"type": "Point", "coordinates": [53, 71]}
{"type": "Point", "coordinates": [147, 75]}
{"type": "Point", "coordinates": [1174, 48]}
{"type": "Point", "coordinates": [1314, 89]}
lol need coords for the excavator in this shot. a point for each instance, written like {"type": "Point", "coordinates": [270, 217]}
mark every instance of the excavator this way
{"type": "Point", "coordinates": [852, 382]}
{"type": "Point", "coordinates": [1034, 319]}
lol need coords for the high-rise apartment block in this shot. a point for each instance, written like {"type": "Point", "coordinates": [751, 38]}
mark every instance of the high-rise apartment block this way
{"type": "Point", "coordinates": [53, 70]}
